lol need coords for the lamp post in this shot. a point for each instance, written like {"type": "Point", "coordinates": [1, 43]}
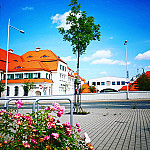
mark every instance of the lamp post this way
{"type": "Point", "coordinates": [125, 43]}
{"type": "Point", "coordinates": [21, 31]}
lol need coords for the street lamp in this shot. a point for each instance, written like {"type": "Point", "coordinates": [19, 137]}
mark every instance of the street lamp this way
{"type": "Point", "coordinates": [125, 43]}
{"type": "Point", "coordinates": [21, 31]}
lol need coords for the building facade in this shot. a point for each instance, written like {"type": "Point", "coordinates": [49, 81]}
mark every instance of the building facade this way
{"type": "Point", "coordinates": [49, 73]}
{"type": "Point", "coordinates": [108, 83]}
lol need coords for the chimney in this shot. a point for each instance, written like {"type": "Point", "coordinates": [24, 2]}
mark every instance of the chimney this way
{"type": "Point", "coordinates": [11, 51]}
{"type": "Point", "coordinates": [38, 49]}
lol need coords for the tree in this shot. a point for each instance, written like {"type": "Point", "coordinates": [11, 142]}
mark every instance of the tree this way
{"type": "Point", "coordinates": [92, 89]}
{"type": "Point", "coordinates": [143, 83]}
{"type": "Point", "coordinates": [82, 31]}
{"type": "Point", "coordinates": [2, 88]}
{"type": "Point", "coordinates": [27, 87]}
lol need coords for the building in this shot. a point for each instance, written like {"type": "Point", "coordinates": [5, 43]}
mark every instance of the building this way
{"type": "Point", "coordinates": [133, 86]}
{"type": "Point", "coordinates": [49, 73]}
{"type": "Point", "coordinates": [108, 83]}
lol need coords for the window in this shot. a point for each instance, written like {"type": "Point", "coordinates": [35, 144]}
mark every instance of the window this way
{"type": "Point", "coordinates": [16, 91]}
{"type": "Point", "coordinates": [102, 83]}
{"type": "Point", "coordinates": [122, 82]}
{"type": "Point", "coordinates": [46, 75]}
{"type": "Point", "coordinates": [49, 76]}
{"type": "Point", "coordinates": [65, 68]}
{"type": "Point", "coordinates": [26, 75]}
{"type": "Point", "coordinates": [39, 75]}
{"type": "Point", "coordinates": [108, 82]}
{"type": "Point", "coordinates": [118, 82]}
{"type": "Point", "coordinates": [18, 67]}
{"type": "Point", "coordinates": [44, 56]}
{"type": "Point", "coordinates": [30, 75]}
{"type": "Point", "coordinates": [10, 76]}
{"type": "Point", "coordinates": [60, 67]}
{"type": "Point", "coordinates": [93, 83]}
{"type": "Point", "coordinates": [8, 89]}
{"type": "Point", "coordinates": [113, 82]}
{"type": "Point", "coordinates": [98, 83]}
{"type": "Point", "coordinates": [19, 76]}
{"type": "Point", "coordinates": [16, 60]}
{"type": "Point", "coordinates": [30, 56]}
{"type": "Point", "coordinates": [35, 75]}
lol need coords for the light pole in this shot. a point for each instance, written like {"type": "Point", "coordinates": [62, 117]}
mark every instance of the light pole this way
{"type": "Point", "coordinates": [21, 31]}
{"type": "Point", "coordinates": [125, 43]}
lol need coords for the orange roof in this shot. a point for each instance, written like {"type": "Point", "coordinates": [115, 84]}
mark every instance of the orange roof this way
{"type": "Point", "coordinates": [86, 88]}
{"type": "Point", "coordinates": [27, 80]}
{"type": "Point", "coordinates": [41, 55]}
{"type": "Point", "coordinates": [11, 57]}
{"type": "Point", "coordinates": [79, 77]}
{"type": "Point", "coordinates": [26, 66]}
{"type": "Point", "coordinates": [52, 66]}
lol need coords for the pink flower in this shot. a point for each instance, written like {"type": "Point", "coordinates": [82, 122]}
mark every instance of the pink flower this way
{"type": "Point", "coordinates": [33, 141]}
{"type": "Point", "coordinates": [3, 111]}
{"type": "Point", "coordinates": [47, 137]}
{"type": "Point", "coordinates": [78, 125]}
{"type": "Point", "coordinates": [17, 116]}
{"type": "Point", "coordinates": [26, 145]}
{"type": "Point", "coordinates": [19, 103]}
{"type": "Point", "coordinates": [79, 130]}
{"type": "Point", "coordinates": [47, 108]}
{"type": "Point", "coordinates": [34, 130]}
{"type": "Point", "coordinates": [49, 125]}
{"type": "Point", "coordinates": [55, 135]}
{"type": "Point", "coordinates": [60, 113]}
{"type": "Point", "coordinates": [19, 122]}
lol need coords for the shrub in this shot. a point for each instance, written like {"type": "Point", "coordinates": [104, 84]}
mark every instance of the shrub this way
{"type": "Point", "coordinates": [40, 130]}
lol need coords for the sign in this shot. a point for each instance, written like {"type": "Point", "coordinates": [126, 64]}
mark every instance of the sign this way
{"type": "Point", "coordinates": [40, 86]}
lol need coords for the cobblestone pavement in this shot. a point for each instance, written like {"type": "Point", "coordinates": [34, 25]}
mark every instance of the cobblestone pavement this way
{"type": "Point", "coordinates": [116, 129]}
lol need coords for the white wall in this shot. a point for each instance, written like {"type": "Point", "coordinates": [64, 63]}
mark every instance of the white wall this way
{"type": "Point", "coordinates": [105, 79]}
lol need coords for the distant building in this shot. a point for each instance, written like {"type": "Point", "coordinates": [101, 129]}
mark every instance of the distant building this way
{"type": "Point", "coordinates": [108, 83]}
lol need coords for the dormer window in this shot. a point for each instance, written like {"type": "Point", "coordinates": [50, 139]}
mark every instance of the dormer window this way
{"type": "Point", "coordinates": [44, 56]}
{"type": "Point", "coordinates": [16, 60]}
{"type": "Point", "coordinates": [18, 67]}
{"type": "Point", "coordinates": [30, 56]}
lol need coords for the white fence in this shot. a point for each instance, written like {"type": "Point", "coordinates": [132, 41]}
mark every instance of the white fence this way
{"type": "Point", "coordinates": [94, 96]}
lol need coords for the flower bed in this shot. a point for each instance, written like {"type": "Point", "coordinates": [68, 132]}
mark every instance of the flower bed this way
{"type": "Point", "coordinates": [40, 130]}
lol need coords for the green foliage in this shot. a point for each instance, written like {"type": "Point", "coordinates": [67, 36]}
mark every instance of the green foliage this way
{"type": "Point", "coordinates": [92, 89]}
{"type": "Point", "coordinates": [143, 83]}
{"type": "Point", "coordinates": [36, 131]}
{"type": "Point", "coordinates": [2, 88]}
{"type": "Point", "coordinates": [27, 87]}
{"type": "Point", "coordinates": [82, 29]}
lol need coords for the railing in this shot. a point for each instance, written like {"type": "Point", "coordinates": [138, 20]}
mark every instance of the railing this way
{"type": "Point", "coordinates": [36, 100]}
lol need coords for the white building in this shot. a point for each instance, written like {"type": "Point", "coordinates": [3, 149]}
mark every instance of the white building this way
{"type": "Point", "coordinates": [108, 83]}
{"type": "Point", "coordinates": [49, 73]}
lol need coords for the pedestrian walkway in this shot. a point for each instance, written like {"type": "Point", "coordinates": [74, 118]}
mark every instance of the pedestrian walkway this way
{"type": "Point", "coordinates": [116, 129]}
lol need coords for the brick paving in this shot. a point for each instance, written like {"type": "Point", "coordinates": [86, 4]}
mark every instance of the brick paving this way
{"type": "Point", "coordinates": [116, 129]}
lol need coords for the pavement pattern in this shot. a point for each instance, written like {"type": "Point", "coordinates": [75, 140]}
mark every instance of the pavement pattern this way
{"type": "Point", "coordinates": [115, 129]}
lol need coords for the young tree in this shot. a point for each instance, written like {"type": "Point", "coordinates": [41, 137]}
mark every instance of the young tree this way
{"type": "Point", "coordinates": [92, 89]}
{"type": "Point", "coordinates": [27, 87]}
{"type": "Point", "coordinates": [2, 88]}
{"type": "Point", "coordinates": [82, 31]}
{"type": "Point", "coordinates": [143, 83]}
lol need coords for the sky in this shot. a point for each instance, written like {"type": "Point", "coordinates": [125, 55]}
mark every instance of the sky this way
{"type": "Point", "coordinates": [119, 20]}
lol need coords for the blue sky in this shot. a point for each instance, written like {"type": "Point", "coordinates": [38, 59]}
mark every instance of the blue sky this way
{"type": "Point", "coordinates": [120, 20]}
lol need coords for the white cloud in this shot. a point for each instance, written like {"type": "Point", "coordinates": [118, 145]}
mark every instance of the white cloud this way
{"type": "Point", "coordinates": [102, 54]}
{"type": "Point", "coordinates": [98, 54]}
{"type": "Point", "coordinates": [60, 20]}
{"type": "Point", "coordinates": [145, 56]}
{"type": "Point", "coordinates": [28, 8]}
{"type": "Point", "coordinates": [148, 67]}
{"type": "Point", "coordinates": [103, 72]}
{"type": "Point", "coordinates": [111, 38]}
{"type": "Point", "coordinates": [109, 61]}
{"type": "Point", "coordinates": [68, 58]}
